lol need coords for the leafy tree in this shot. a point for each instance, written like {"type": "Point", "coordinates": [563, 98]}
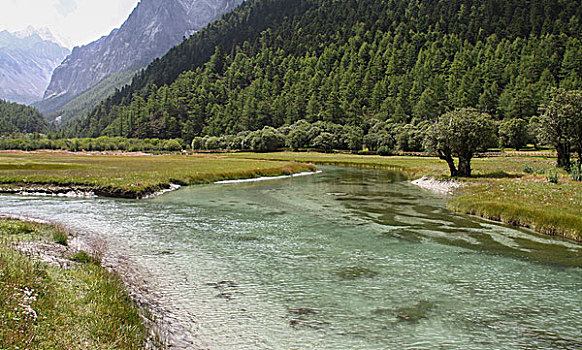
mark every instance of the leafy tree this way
{"type": "Point", "coordinates": [266, 140]}
{"type": "Point", "coordinates": [561, 123]}
{"type": "Point", "coordinates": [172, 145]}
{"type": "Point", "coordinates": [325, 141]}
{"type": "Point", "coordinates": [513, 133]}
{"type": "Point", "coordinates": [460, 133]}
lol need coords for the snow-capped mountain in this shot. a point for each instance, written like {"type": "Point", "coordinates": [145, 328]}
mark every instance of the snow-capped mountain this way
{"type": "Point", "coordinates": [27, 61]}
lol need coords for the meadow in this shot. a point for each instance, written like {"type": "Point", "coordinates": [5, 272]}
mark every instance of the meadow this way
{"type": "Point", "coordinates": [45, 306]}
{"type": "Point", "coordinates": [130, 175]}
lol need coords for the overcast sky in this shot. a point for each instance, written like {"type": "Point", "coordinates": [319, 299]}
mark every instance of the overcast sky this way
{"type": "Point", "coordinates": [78, 22]}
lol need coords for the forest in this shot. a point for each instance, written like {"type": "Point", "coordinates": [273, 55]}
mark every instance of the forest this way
{"type": "Point", "coordinates": [16, 118]}
{"type": "Point", "coordinates": [376, 66]}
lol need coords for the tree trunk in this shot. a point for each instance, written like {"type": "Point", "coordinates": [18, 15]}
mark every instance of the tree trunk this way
{"type": "Point", "coordinates": [451, 162]}
{"type": "Point", "coordinates": [563, 150]}
{"type": "Point", "coordinates": [465, 166]}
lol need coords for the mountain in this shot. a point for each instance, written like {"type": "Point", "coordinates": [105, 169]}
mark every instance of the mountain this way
{"type": "Point", "coordinates": [151, 30]}
{"type": "Point", "coordinates": [393, 63]}
{"type": "Point", "coordinates": [16, 118]}
{"type": "Point", "coordinates": [27, 60]}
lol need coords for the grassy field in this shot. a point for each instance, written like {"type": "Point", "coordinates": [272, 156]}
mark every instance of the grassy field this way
{"type": "Point", "coordinates": [500, 190]}
{"type": "Point", "coordinates": [130, 175]}
{"type": "Point", "coordinates": [49, 307]}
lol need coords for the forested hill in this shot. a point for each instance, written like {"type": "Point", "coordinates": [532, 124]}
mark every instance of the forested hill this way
{"type": "Point", "coordinates": [16, 118]}
{"type": "Point", "coordinates": [274, 62]}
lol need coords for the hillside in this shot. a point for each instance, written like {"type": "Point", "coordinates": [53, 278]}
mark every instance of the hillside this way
{"type": "Point", "coordinates": [150, 31]}
{"type": "Point", "coordinates": [273, 63]}
{"type": "Point", "coordinates": [16, 118]}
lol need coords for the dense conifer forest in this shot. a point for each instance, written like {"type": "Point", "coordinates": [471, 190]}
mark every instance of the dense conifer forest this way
{"type": "Point", "coordinates": [16, 118]}
{"type": "Point", "coordinates": [385, 69]}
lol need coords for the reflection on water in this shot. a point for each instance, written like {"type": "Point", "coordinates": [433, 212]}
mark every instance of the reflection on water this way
{"type": "Point", "coordinates": [347, 259]}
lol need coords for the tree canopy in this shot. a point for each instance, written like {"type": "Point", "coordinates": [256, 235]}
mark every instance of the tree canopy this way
{"type": "Point", "coordinates": [358, 63]}
{"type": "Point", "coordinates": [461, 133]}
{"type": "Point", "coordinates": [16, 118]}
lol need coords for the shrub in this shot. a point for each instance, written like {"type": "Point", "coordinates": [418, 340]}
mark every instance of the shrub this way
{"type": "Point", "coordinates": [172, 146]}
{"type": "Point", "coordinates": [552, 176]}
{"type": "Point", "coordinates": [528, 169]}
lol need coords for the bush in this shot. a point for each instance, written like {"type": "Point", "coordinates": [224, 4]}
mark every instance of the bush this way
{"type": "Point", "coordinates": [528, 169]}
{"type": "Point", "coordinates": [172, 146]}
{"type": "Point", "coordinates": [552, 176]}
{"type": "Point", "coordinates": [266, 140]}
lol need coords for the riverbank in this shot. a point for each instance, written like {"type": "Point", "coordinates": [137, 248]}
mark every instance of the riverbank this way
{"type": "Point", "coordinates": [513, 189]}
{"type": "Point", "coordinates": [56, 296]}
{"type": "Point", "coordinates": [125, 175]}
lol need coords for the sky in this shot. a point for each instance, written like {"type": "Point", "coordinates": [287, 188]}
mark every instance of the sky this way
{"type": "Point", "coordinates": [74, 22]}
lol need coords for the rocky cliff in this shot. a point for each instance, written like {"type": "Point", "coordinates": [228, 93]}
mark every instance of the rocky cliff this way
{"type": "Point", "coordinates": [151, 30]}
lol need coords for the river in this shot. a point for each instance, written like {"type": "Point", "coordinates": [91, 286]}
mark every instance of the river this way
{"type": "Point", "coordinates": [346, 259]}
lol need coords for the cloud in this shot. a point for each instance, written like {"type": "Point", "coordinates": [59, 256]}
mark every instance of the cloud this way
{"type": "Point", "coordinates": [66, 7]}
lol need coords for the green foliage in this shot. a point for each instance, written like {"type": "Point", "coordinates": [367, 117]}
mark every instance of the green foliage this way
{"type": "Point", "coordinates": [103, 143]}
{"type": "Point", "coordinates": [15, 118]}
{"type": "Point", "coordinates": [552, 176]}
{"type": "Point", "coordinates": [461, 133]}
{"type": "Point", "coordinates": [528, 169]}
{"type": "Point", "coordinates": [513, 133]}
{"type": "Point", "coordinates": [172, 145]}
{"type": "Point", "coordinates": [561, 124]}
{"type": "Point", "coordinates": [350, 63]}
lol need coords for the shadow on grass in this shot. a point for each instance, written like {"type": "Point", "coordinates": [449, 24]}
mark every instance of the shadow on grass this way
{"type": "Point", "coordinates": [496, 175]}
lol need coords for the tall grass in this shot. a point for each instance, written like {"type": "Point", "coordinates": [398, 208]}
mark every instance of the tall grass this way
{"type": "Point", "coordinates": [544, 207]}
{"type": "Point", "coordinates": [46, 307]}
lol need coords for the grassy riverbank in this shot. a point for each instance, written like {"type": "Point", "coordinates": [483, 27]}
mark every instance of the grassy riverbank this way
{"type": "Point", "coordinates": [500, 190]}
{"type": "Point", "coordinates": [49, 307]}
{"type": "Point", "coordinates": [127, 175]}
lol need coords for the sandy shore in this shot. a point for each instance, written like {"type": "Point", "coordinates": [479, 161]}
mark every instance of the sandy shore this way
{"type": "Point", "coordinates": [447, 187]}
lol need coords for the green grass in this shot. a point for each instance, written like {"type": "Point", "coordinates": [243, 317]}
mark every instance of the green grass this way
{"type": "Point", "coordinates": [46, 307]}
{"type": "Point", "coordinates": [131, 175]}
{"type": "Point", "coordinates": [542, 206]}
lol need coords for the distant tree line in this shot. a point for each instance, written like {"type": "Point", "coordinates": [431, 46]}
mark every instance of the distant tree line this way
{"type": "Point", "coordinates": [36, 141]}
{"type": "Point", "coordinates": [15, 118]}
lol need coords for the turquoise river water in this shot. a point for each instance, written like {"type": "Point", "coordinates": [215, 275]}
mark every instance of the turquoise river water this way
{"type": "Point", "coordinates": [346, 259]}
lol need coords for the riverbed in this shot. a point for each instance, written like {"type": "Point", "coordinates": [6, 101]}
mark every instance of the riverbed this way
{"type": "Point", "coordinates": [345, 259]}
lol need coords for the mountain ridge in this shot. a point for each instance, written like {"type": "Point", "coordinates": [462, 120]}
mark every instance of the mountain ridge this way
{"type": "Point", "coordinates": [150, 31]}
{"type": "Point", "coordinates": [27, 60]}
